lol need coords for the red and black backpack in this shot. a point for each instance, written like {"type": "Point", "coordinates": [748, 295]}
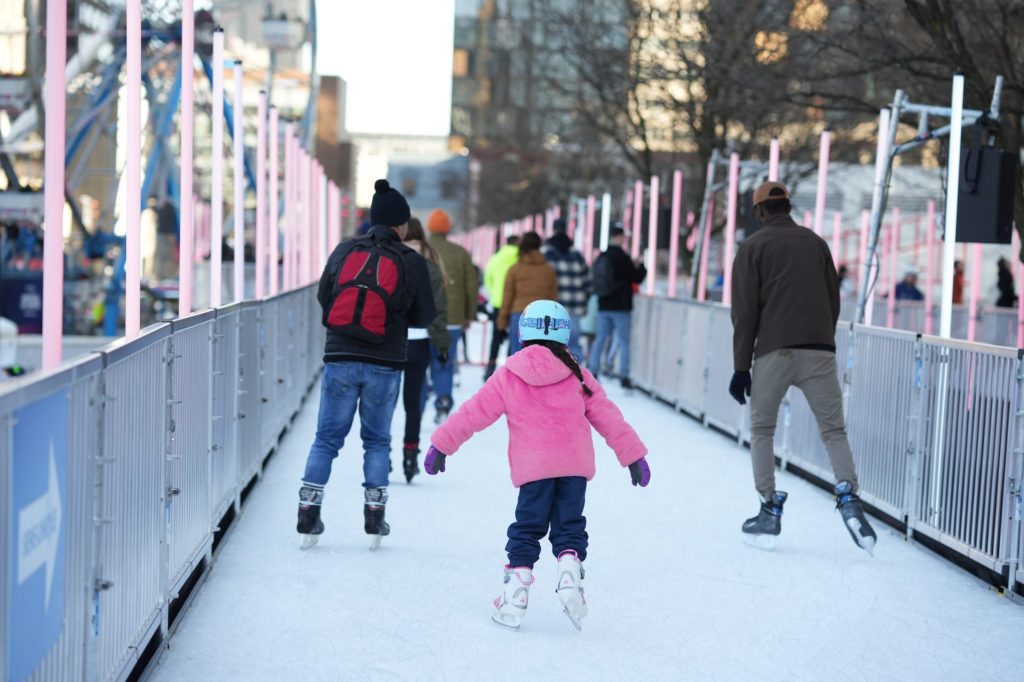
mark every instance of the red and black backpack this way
{"type": "Point", "coordinates": [368, 285]}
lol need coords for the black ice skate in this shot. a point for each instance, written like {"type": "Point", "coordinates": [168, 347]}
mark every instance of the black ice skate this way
{"type": "Point", "coordinates": [409, 462]}
{"type": "Point", "coordinates": [373, 515]}
{"type": "Point", "coordinates": [760, 531]}
{"type": "Point", "coordinates": [849, 505]}
{"type": "Point", "coordinates": [309, 524]}
{"type": "Point", "coordinates": [442, 408]}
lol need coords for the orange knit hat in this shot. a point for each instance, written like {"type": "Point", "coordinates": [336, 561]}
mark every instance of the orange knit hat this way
{"type": "Point", "coordinates": [438, 221]}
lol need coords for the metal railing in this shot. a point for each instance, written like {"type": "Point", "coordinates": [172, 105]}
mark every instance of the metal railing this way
{"type": "Point", "coordinates": [935, 424]}
{"type": "Point", "coordinates": [153, 442]}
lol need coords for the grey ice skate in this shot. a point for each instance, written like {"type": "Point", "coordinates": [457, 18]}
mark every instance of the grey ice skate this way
{"type": "Point", "coordinates": [761, 530]}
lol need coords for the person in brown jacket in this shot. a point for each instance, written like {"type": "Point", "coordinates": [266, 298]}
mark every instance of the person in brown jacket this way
{"type": "Point", "coordinates": [531, 279]}
{"type": "Point", "coordinates": [785, 304]}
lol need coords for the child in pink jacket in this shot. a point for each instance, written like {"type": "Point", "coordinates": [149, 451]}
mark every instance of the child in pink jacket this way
{"type": "Point", "coordinates": [550, 404]}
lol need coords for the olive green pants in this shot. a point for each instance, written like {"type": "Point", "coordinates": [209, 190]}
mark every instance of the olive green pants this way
{"type": "Point", "coordinates": [814, 373]}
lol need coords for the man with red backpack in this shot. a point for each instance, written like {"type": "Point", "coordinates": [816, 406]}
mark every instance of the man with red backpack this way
{"type": "Point", "coordinates": [372, 290]}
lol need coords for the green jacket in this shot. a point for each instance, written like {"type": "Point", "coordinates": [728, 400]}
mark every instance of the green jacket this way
{"type": "Point", "coordinates": [497, 268]}
{"type": "Point", "coordinates": [461, 286]}
{"type": "Point", "coordinates": [437, 330]}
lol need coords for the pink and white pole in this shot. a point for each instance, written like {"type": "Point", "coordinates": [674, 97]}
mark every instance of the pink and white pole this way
{"type": "Point", "coordinates": [837, 243]}
{"type": "Point", "coordinates": [702, 274]}
{"type": "Point", "coordinates": [261, 195]}
{"type": "Point", "coordinates": [334, 217]}
{"type": "Point", "coordinates": [773, 160]}
{"type": "Point", "coordinates": [819, 199]}
{"type": "Point", "coordinates": [1019, 269]}
{"type": "Point", "coordinates": [273, 222]}
{"type": "Point", "coordinates": [133, 169]}
{"type": "Point", "coordinates": [186, 208]}
{"type": "Point", "coordinates": [652, 236]}
{"type": "Point", "coordinates": [53, 187]}
{"type": "Point", "coordinates": [929, 275]}
{"type": "Point", "coordinates": [238, 177]}
{"type": "Point", "coordinates": [217, 171]}
{"type": "Point", "coordinates": [638, 202]}
{"type": "Point", "coordinates": [289, 207]}
{"type": "Point", "coordinates": [673, 238]}
{"type": "Point", "coordinates": [588, 233]}
{"type": "Point", "coordinates": [732, 201]}
{"type": "Point", "coordinates": [892, 254]}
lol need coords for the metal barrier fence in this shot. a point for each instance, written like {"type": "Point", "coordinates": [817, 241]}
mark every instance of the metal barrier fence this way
{"type": "Point", "coordinates": [936, 425]}
{"type": "Point", "coordinates": [122, 469]}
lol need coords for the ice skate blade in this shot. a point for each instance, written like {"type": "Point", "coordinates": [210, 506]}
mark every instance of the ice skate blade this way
{"type": "Point", "coordinates": [506, 622]}
{"type": "Point", "coordinates": [575, 620]}
{"type": "Point", "coordinates": [375, 541]}
{"type": "Point", "coordinates": [760, 541]}
{"type": "Point", "coordinates": [308, 541]}
{"type": "Point", "coordinates": [865, 542]}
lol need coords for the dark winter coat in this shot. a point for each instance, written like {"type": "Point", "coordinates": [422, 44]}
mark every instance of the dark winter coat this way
{"type": "Point", "coordinates": [416, 307]}
{"type": "Point", "coordinates": [785, 292]}
{"type": "Point", "coordinates": [572, 272]}
{"type": "Point", "coordinates": [625, 275]}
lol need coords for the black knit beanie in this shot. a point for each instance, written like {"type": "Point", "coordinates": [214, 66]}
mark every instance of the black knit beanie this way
{"type": "Point", "coordinates": [388, 207]}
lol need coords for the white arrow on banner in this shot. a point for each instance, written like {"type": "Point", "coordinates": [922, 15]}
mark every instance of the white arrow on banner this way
{"type": "Point", "coordinates": [39, 532]}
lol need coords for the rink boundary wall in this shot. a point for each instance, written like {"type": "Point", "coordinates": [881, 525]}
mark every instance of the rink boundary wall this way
{"type": "Point", "coordinates": [166, 434]}
{"type": "Point", "coordinates": [935, 424]}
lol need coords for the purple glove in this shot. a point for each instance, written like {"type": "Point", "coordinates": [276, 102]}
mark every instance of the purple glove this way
{"type": "Point", "coordinates": [639, 471]}
{"type": "Point", "coordinates": [434, 461]}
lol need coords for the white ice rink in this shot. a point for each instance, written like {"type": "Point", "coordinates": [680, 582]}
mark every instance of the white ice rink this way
{"type": "Point", "coordinates": [673, 592]}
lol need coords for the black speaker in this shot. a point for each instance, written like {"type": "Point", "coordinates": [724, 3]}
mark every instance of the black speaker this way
{"type": "Point", "coordinates": [984, 212]}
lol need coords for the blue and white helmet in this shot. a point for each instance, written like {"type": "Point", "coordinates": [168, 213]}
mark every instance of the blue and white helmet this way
{"type": "Point", "coordinates": [545, 321]}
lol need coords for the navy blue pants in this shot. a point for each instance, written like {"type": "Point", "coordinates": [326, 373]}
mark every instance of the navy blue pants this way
{"type": "Point", "coordinates": [552, 502]}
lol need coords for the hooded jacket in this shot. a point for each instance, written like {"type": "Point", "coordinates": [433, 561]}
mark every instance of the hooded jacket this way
{"type": "Point", "coordinates": [531, 279]}
{"type": "Point", "coordinates": [414, 309]}
{"type": "Point", "coordinates": [497, 267]}
{"type": "Point", "coordinates": [462, 283]}
{"type": "Point", "coordinates": [549, 419]}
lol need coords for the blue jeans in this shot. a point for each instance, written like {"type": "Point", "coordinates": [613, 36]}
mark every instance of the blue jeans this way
{"type": "Point", "coordinates": [514, 344]}
{"type": "Point", "coordinates": [609, 322]}
{"type": "Point", "coordinates": [442, 376]}
{"type": "Point", "coordinates": [344, 387]}
{"type": "Point", "coordinates": [550, 502]}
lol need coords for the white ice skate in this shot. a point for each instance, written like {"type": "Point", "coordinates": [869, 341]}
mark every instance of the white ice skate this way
{"type": "Point", "coordinates": [570, 587]}
{"type": "Point", "coordinates": [510, 605]}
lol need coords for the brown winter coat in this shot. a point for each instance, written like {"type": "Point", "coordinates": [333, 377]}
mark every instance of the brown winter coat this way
{"type": "Point", "coordinates": [531, 279]}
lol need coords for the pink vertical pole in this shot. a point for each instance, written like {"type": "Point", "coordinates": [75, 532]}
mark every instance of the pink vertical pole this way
{"type": "Point", "coordinates": [837, 244]}
{"type": "Point", "coordinates": [673, 235]}
{"type": "Point", "coordinates": [289, 207]}
{"type": "Point", "coordinates": [773, 160]}
{"type": "Point", "coordinates": [540, 225]}
{"type": "Point", "coordinates": [892, 242]}
{"type": "Point", "coordinates": [819, 199]}
{"type": "Point", "coordinates": [638, 203]}
{"type": "Point", "coordinates": [186, 210]}
{"type": "Point", "coordinates": [865, 228]}
{"type": "Point", "coordinates": [929, 275]}
{"type": "Point", "coordinates": [238, 177]}
{"type": "Point", "coordinates": [652, 236]}
{"type": "Point", "coordinates": [702, 274]}
{"type": "Point", "coordinates": [272, 215]}
{"type": "Point", "coordinates": [133, 168]}
{"type": "Point", "coordinates": [334, 216]}
{"type": "Point", "coordinates": [261, 196]}
{"type": "Point", "coordinates": [732, 202]}
{"type": "Point", "coordinates": [808, 220]}
{"type": "Point", "coordinates": [588, 233]}
{"type": "Point", "coordinates": [324, 195]}
{"type": "Point", "coordinates": [572, 221]}
{"type": "Point", "coordinates": [217, 173]}
{"type": "Point", "coordinates": [53, 187]}
{"type": "Point", "coordinates": [972, 313]}
{"type": "Point", "coordinates": [307, 244]}
{"type": "Point", "coordinates": [314, 217]}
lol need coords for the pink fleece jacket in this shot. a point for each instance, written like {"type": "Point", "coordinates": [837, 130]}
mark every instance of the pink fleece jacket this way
{"type": "Point", "coordinates": [549, 419]}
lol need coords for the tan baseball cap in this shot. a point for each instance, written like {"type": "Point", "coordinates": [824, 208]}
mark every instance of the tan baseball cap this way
{"type": "Point", "coordinates": [770, 190]}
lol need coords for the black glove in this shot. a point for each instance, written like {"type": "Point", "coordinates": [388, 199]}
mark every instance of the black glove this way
{"type": "Point", "coordinates": [739, 385]}
{"type": "Point", "coordinates": [442, 357]}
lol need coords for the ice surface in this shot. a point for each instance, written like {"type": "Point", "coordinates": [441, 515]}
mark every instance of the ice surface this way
{"type": "Point", "coordinates": [673, 591]}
